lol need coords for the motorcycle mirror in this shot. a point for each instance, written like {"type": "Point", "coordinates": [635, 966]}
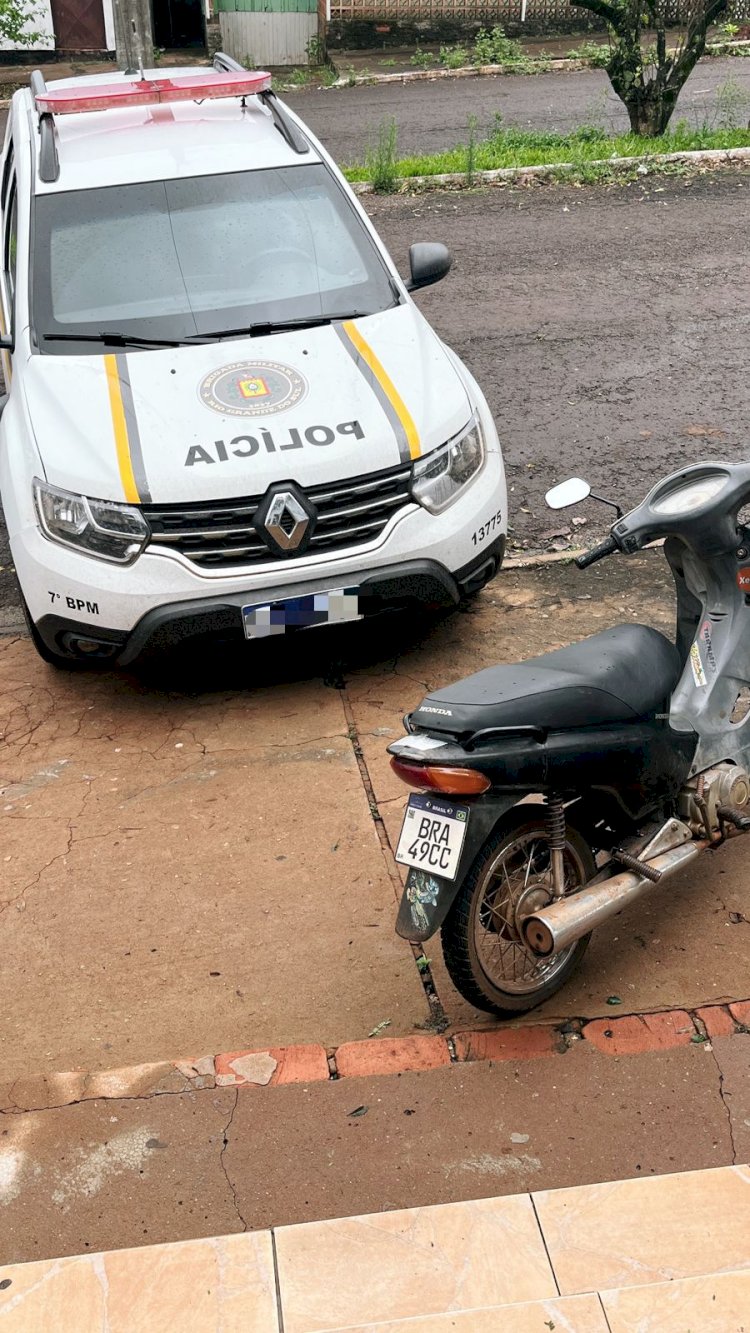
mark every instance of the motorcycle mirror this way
{"type": "Point", "coordinates": [568, 492]}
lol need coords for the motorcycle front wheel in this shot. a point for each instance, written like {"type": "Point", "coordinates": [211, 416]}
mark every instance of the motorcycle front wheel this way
{"type": "Point", "coordinates": [511, 878]}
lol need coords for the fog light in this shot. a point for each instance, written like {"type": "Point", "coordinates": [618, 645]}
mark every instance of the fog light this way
{"type": "Point", "coordinates": [83, 647]}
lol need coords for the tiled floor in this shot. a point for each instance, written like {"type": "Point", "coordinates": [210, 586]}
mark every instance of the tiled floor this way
{"type": "Point", "coordinates": [666, 1254]}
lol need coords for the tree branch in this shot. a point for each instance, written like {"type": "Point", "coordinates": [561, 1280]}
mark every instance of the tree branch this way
{"type": "Point", "coordinates": [610, 13]}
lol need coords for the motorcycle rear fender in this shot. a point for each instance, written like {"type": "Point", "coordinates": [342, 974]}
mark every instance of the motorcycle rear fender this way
{"type": "Point", "coordinates": [424, 907]}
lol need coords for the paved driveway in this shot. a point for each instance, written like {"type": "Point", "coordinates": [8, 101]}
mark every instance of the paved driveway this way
{"type": "Point", "coordinates": [196, 864]}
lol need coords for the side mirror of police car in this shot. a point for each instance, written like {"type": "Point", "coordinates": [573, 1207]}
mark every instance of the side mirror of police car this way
{"type": "Point", "coordinates": [429, 261]}
{"type": "Point", "coordinates": [7, 342]}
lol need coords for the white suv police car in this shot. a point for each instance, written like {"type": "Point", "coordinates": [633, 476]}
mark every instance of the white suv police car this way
{"type": "Point", "coordinates": [225, 415]}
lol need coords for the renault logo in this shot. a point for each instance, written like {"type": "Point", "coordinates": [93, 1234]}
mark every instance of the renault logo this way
{"type": "Point", "coordinates": [284, 520]}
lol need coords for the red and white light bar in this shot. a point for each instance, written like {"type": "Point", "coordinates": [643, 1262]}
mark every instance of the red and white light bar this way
{"type": "Point", "coordinates": [142, 92]}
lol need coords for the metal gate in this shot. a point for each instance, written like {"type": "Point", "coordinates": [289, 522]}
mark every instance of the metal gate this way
{"type": "Point", "coordinates": [78, 25]}
{"type": "Point", "coordinates": [268, 32]}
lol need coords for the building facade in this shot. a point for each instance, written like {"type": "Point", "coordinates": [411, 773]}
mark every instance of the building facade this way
{"type": "Point", "coordinates": [88, 26]}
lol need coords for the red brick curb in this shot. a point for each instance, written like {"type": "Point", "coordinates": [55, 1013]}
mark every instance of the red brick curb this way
{"type": "Point", "coordinates": [641, 1032]}
{"type": "Point", "coordinates": [508, 1044]}
{"type": "Point", "coordinates": [630, 1034]}
{"type": "Point", "coordinates": [394, 1055]}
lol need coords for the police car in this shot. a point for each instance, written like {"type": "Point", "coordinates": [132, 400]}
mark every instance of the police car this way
{"type": "Point", "coordinates": [225, 416]}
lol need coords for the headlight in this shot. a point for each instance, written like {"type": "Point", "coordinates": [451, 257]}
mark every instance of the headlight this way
{"type": "Point", "coordinates": [97, 527]}
{"type": "Point", "coordinates": [439, 478]}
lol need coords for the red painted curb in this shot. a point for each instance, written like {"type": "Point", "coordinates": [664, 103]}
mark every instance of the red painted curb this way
{"type": "Point", "coordinates": [639, 1033]}
{"type": "Point", "coordinates": [397, 1055]}
{"type": "Point", "coordinates": [741, 1012]}
{"type": "Point", "coordinates": [717, 1020]}
{"type": "Point", "coordinates": [507, 1044]}
{"type": "Point", "coordinates": [293, 1064]}
{"type": "Point", "coordinates": [631, 1034]}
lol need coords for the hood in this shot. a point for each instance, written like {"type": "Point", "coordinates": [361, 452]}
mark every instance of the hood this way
{"type": "Point", "coordinates": [228, 419]}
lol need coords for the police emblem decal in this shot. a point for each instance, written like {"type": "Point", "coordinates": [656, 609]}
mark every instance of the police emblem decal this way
{"type": "Point", "coordinates": [252, 389]}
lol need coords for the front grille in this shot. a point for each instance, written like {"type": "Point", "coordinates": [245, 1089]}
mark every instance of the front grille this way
{"type": "Point", "coordinates": [219, 534]}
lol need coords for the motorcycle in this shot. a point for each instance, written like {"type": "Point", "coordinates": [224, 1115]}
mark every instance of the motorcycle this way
{"type": "Point", "coordinates": [555, 792]}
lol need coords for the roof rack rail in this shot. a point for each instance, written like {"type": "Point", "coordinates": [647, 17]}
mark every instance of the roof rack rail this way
{"type": "Point", "coordinates": [286, 127]}
{"type": "Point", "coordinates": [49, 162]}
{"type": "Point", "coordinates": [226, 65]}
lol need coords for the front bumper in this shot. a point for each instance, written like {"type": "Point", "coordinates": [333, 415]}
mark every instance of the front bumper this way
{"type": "Point", "coordinates": [425, 583]}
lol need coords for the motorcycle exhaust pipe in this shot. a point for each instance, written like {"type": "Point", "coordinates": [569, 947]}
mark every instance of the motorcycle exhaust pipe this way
{"type": "Point", "coordinates": [568, 919]}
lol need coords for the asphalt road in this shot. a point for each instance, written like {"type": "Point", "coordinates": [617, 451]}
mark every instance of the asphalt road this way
{"type": "Point", "coordinates": [434, 116]}
{"type": "Point", "coordinates": [608, 327]}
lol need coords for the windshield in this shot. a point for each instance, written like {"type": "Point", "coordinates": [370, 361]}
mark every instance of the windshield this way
{"type": "Point", "coordinates": [171, 259]}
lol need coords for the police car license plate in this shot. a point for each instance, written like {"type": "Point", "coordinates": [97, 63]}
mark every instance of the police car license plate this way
{"type": "Point", "coordinates": [335, 607]}
{"type": "Point", "coordinates": [432, 835]}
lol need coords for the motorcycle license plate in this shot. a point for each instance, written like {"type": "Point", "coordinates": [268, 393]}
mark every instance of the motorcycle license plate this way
{"type": "Point", "coordinates": [333, 607]}
{"type": "Point", "coordinates": [432, 835]}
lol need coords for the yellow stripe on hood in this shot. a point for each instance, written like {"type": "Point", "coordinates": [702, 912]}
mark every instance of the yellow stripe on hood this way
{"type": "Point", "coordinates": [389, 389]}
{"type": "Point", "coordinates": [122, 443]}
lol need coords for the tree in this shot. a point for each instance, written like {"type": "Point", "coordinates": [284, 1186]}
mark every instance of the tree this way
{"type": "Point", "coordinates": [648, 76]}
{"type": "Point", "coordinates": [15, 17]}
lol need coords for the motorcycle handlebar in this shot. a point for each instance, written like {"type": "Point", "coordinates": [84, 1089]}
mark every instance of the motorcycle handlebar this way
{"type": "Point", "coordinates": [607, 547]}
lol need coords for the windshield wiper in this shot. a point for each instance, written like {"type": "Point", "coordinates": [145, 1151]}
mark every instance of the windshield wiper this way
{"type": "Point", "coordinates": [119, 339]}
{"type": "Point", "coordinates": [267, 326]}
{"type": "Point", "coordinates": [260, 329]}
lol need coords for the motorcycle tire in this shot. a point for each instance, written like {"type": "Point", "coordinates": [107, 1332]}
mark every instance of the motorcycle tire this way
{"type": "Point", "coordinates": [481, 943]}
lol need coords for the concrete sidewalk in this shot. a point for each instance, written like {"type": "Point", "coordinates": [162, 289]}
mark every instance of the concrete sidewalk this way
{"type": "Point", "coordinates": [629, 1099]}
{"type": "Point", "coordinates": [200, 865]}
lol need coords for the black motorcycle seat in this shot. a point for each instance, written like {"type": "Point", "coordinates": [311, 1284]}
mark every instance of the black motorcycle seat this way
{"type": "Point", "coordinates": [616, 676]}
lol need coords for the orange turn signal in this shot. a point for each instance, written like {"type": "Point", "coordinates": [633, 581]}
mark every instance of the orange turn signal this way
{"type": "Point", "coordinates": [452, 781]}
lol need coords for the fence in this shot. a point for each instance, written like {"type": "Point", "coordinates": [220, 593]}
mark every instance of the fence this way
{"type": "Point", "coordinates": [410, 11]}
{"type": "Point", "coordinates": [552, 14]}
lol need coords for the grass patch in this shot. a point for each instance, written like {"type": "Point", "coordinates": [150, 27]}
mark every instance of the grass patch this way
{"type": "Point", "coordinates": [528, 148]}
{"type": "Point", "coordinates": [380, 159]}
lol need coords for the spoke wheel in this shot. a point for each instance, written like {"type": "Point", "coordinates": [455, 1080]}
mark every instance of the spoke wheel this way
{"type": "Point", "coordinates": [484, 950]}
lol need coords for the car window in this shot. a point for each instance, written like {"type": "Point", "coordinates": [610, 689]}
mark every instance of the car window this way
{"type": "Point", "coordinates": [11, 240]}
{"type": "Point", "coordinates": [173, 258]}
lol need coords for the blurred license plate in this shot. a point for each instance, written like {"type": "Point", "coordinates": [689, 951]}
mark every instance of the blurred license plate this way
{"type": "Point", "coordinates": [432, 835]}
{"type": "Point", "coordinates": [334, 607]}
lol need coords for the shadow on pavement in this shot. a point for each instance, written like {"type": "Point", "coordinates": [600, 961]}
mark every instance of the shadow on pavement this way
{"type": "Point", "coordinates": [201, 666]}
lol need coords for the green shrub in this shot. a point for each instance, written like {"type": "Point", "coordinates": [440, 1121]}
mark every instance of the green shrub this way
{"type": "Point", "coordinates": [423, 59]}
{"type": "Point", "coordinates": [492, 47]}
{"type": "Point", "coordinates": [454, 57]}
{"type": "Point", "coordinates": [594, 52]}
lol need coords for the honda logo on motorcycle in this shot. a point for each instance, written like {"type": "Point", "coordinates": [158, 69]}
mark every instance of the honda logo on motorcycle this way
{"type": "Point", "coordinates": [285, 520]}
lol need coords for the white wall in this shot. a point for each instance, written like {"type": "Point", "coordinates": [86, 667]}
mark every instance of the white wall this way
{"type": "Point", "coordinates": [109, 24]}
{"type": "Point", "coordinates": [41, 21]}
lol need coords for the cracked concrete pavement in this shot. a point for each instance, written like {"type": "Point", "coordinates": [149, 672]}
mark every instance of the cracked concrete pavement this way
{"type": "Point", "coordinates": [201, 861]}
{"type": "Point", "coordinates": [203, 867]}
{"type": "Point", "coordinates": [115, 1173]}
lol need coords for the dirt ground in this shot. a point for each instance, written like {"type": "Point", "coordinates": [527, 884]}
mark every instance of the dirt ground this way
{"type": "Point", "coordinates": [192, 863]}
{"type": "Point", "coordinates": [608, 332]}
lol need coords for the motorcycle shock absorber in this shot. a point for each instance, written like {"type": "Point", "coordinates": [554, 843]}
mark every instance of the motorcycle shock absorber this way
{"type": "Point", "coordinates": [556, 834]}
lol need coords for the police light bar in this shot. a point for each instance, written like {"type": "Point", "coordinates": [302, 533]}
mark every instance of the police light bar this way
{"type": "Point", "coordinates": [142, 92]}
